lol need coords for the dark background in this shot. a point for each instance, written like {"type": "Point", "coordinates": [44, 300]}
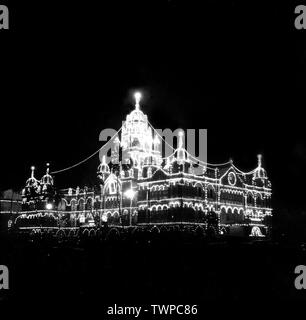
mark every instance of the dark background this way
{"type": "Point", "coordinates": [237, 68]}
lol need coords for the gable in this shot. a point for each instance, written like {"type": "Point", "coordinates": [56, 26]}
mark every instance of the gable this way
{"type": "Point", "coordinates": [232, 178]}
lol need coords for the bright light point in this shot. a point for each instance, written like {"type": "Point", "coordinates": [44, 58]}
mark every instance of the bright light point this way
{"type": "Point", "coordinates": [49, 206]}
{"type": "Point", "coordinates": [137, 96]}
{"type": "Point", "coordinates": [130, 193]}
{"type": "Point", "coordinates": [181, 133]}
{"type": "Point", "coordinates": [32, 168]}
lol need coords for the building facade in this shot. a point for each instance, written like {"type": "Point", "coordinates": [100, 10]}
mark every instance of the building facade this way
{"type": "Point", "coordinates": [145, 190]}
{"type": "Point", "coordinates": [10, 208]}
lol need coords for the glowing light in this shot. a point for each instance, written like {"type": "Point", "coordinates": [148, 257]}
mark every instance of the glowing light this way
{"type": "Point", "coordinates": [259, 157]}
{"type": "Point", "coordinates": [49, 206]}
{"type": "Point", "coordinates": [130, 193]}
{"type": "Point", "coordinates": [137, 96]}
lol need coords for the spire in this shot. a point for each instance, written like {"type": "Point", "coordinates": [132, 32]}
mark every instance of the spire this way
{"type": "Point", "coordinates": [181, 153]}
{"type": "Point", "coordinates": [259, 171]}
{"type": "Point", "coordinates": [48, 168]}
{"type": "Point", "coordinates": [31, 181]}
{"type": "Point", "coordinates": [259, 157]}
{"type": "Point", "coordinates": [47, 179]}
{"type": "Point", "coordinates": [32, 172]}
{"type": "Point", "coordinates": [137, 97]}
{"type": "Point", "coordinates": [180, 143]}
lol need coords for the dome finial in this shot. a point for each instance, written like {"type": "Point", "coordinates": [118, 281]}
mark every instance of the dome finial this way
{"type": "Point", "coordinates": [32, 173]}
{"type": "Point", "coordinates": [259, 157]}
{"type": "Point", "coordinates": [137, 96]}
{"type": "Point", "coordinates": [48, 167]}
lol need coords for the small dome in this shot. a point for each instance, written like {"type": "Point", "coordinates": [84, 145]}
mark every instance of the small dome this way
{"type": "Point", "coordinates": [136, 116]}
{"type": "Point", "coordinates": [32, 181]}
{"type": "Point", "coordinates": [260, 172]}
{"type": "Point", "coordinates": [181, 153]}
{"type": "Point", "coordinates": [47, 178]}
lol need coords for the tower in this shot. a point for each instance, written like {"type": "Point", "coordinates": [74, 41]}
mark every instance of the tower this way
{"type": "Point", "coordinates": [137, 140]}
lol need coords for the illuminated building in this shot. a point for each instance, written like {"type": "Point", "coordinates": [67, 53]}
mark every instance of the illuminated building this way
{"type": "Point", "coordinates": [147, 190]}
{"type": "Point", "coordinates": [10, 207]}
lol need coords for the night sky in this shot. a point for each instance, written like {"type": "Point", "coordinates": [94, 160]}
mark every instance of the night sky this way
{"type": "Point", "coordinates": [238, 69]}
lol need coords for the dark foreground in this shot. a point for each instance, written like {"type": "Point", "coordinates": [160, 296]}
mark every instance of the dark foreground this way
{"type": "Point", "coordinates": [157, 269]}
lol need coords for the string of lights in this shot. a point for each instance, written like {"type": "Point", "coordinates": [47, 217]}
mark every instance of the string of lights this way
{"type": "Point", "coordinates": [89, 157]}
{"type": "Point", "coordinates": [207, 163]}
{"type": "Point", "coordinates": [245, 173]}
{"type": "Point", "coordinates": [192, 158]}
{"type": "Point", "coordinates": [197, 160]}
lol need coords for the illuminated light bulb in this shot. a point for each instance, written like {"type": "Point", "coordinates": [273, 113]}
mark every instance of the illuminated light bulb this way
{"type": "Point", "coordinates": [130, 194]}
{"type": "Point", "coordinates": [137, 96]}
{"type": "Point", "coordinates": [49, 206]}
{"type": "Point", "coordinates": [259, 157]}
{"type": "Point", "coordinates": [32, 174]}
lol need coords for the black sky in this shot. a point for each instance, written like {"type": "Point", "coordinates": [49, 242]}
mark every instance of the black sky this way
{"type": "Point", "coordinates": [235, 68]}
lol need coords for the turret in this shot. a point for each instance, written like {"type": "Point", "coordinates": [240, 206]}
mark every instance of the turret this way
{"type": "Point", "coordinates": [47, 180]}
{"type": "Point", "coordinates": [136, 138]}
{"type": "Point", "coordinates": [260, 175]}
{"type": "Point", "coordinates": [32, 187]}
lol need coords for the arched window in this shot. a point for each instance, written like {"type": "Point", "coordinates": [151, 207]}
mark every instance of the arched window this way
{"type": "Point", "coordinates": [112, 188]}
{"type": "Point", "coordinates": [81, 204]}
{"type": "Point", "coordinates": [210, 193]}
{"type": "Point", "coordinates": [223, 216]}
{"type": "Point", "coordinates": [73, 205]}
{"type": "Point", "coordinates": [259, 201]}
{"type": "Point", "coordinates": [62, 205]}
{"type": "Point", "coordinates": [89, 204]}
{"type": "Point", "coordinates": [250, 199]}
